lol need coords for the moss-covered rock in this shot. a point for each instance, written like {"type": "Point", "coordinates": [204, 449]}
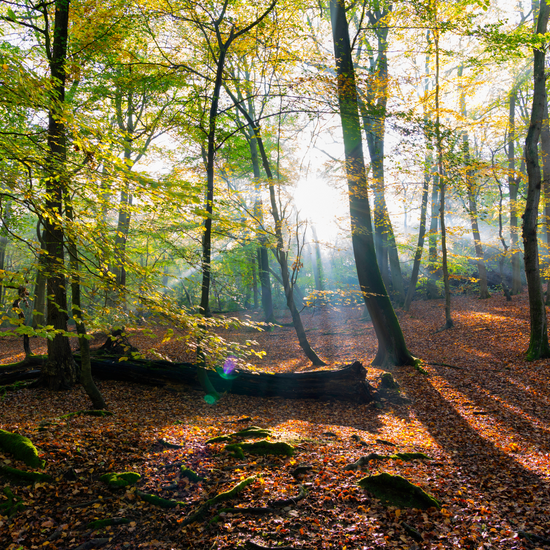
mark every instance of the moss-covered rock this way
{"type": "Point", "coordinates": [397, 491]}
{"type": "Point", "coordinates": [21, 448]}
{"type": "Point", "coordinates": [31, 476]}
{"type": "Point", "coordinates": [252, 432]}
{"type": "Point", "coordinates": [388, 382]}
{"type": "Point", "coordinates": [116, 481]}
{"type": "Point", "coordinates": [263, 447]}
{"type": "Point", "coordinates": [410, 456]}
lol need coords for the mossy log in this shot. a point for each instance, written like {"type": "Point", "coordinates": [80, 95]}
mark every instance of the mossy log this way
{"type": "Point", "coordinates": [117, 481]}
{"type": "Point", "coordinates": [397, 491]}
{"type": "Point", "coordinates": [21, 448]}
{"type": "Point", "coordinates": [347, 383]}
{"type": "Point", "coordinates": [31, 476]}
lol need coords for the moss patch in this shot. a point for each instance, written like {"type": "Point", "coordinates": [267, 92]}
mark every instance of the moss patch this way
{"type": "Point", "coordinates": [190, 474]}
{"type": "Point", "coordinates": [31, 476]}
{"type": "Point", "coordinates": [261, 448]}
{"type": "Point", "coordinates": [12, 505]}
{"type": "Point", "coordinates": [397, 491]}
{"type": "Point", "coordinates": [116, 481]}
{"type": "Point", "coordinates": [21, 448]}
{"type": "Point", "coordinates": [252, 432]}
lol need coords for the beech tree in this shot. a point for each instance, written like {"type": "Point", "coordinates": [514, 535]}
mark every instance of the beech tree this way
{"type": "Point", "coordinates": [391, 343]}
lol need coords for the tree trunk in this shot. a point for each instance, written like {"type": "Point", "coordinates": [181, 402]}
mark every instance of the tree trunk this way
{"type": "Point", "coordinates": [263, 257]}
{"type": "Point", "coordinates": [472, 188]}
{"type": "Point", "coordinates": [513, 183]}
{"type": "Point", "coordinates": [538, 343]}
{"type": "Point", "coordinates": [317, 262]}
{"type": "Point", "coordinates": [441, 180]}
{"type": "Point", "coordinates": [85, 365]}
{"type": "Point", "coordinates": [545, 150]}
{"type": "Point", "coordinates": [433, 264]}
{"type": "Point", "coordinates": [421, 234]}
{"type": "Point", "coordinates": [59, 372]}
{"type": "Point", "coordinates": [374, 125]}
{"type": "Point", "coordinates": [6, 214]}
{"type": "Point", "coordinates": [391, 343]}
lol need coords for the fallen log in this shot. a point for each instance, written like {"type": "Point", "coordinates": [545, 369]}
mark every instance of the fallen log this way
{"type": "Point", "coordinates": [347, 384]}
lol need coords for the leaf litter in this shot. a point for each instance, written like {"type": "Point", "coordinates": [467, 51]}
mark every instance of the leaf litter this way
{"type": "Point", "coordinates": [481, 415]}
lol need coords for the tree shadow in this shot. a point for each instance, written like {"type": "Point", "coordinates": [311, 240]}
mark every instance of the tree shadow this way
{"type": "Point", "coordinates": [484, 472]}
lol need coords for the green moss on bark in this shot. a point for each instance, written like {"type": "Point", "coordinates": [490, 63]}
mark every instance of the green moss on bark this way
{"type": "Point", "coordinates": [32, 476]}
{"type": "Point", "coordinates": [21, 448]}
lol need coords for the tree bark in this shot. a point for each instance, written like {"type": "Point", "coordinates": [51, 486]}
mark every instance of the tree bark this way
{"type": "Point", "coordinates": [442, 181]}
{"type": "Point", "coordinates": [472, 189]}
{"type": "Point", "coordinates": [513, 183]}
{"type": "Point", "coordinates": [59, 372]}
{"type": "Point", "coordinates": [421, 234]}
{"type": "Point", "coordinates": [538, 342]}
{"type": "Point", "coordinates": [545, 153]}
{"type": "Point", "coordinates": [391, 343]}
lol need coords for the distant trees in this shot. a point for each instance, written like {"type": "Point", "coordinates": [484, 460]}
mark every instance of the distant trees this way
{"type": "Point", "coordinates": [144, 157]}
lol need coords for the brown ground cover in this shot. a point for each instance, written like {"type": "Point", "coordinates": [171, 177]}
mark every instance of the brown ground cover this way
{"type": "Point", "coordinates": [481, 414]}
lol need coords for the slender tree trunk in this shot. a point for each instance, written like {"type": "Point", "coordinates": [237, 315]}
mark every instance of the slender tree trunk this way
{"type": "Point", "coordinates": [513, 183]}
{"type": "Point", "coordinates": [6, 215]}
{"type": "Point", "coordinates": [421, 235]}
{"type": "Point", "coordinates": [391, 343]}
{"type": "Point", "coordinates": [59, 372]}
{"type": "Point", "coordinates": [441, 181]}
{"type": "Point", "coordinates": [545, 153]}
{"type": "Point", "coordinates": [223, 45]}
{"type": "Point", "coordinates": [472, 213]}
{"type": "Point", "coordinates": [85, 359]}
{"type": "Point", "coordinates": [263, 257]}
{"type": "Point", "coordinates": [317, 262]}
{"type": "Point", "coordinates": [282, 258]}
{"type": "Point", "coordinates": [39, 293]}
{"type": "Point", "coordinates": [433, 264]}
{"type": "Point", "coordinates": [538, 343]}
{"type": "Point", "coordinates": [471, 188]}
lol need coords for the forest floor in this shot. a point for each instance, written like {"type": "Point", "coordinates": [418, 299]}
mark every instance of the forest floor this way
{"type": "Point", "coordinates": [481, 414]}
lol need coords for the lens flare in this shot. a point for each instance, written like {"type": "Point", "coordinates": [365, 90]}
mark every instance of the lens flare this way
{"type": "Point", "coordinates": [210, 399]}
{"type": "Point", "coordinates": [228, 370]}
